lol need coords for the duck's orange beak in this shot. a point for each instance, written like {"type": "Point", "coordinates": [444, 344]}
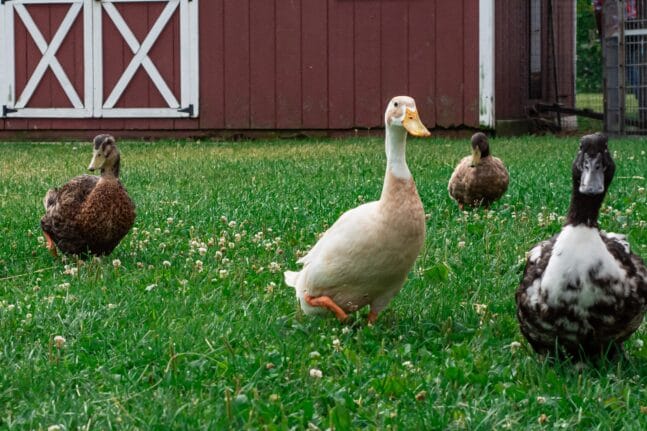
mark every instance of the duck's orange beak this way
{"type": "Point", "coordinates": [413, 124]}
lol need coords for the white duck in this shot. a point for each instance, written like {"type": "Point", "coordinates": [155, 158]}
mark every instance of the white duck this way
{"type": "Point", "coordinates": [365, 256]}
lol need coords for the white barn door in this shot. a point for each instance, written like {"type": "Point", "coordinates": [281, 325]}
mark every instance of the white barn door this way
{"type": "Point", "coordinates": [95, 94]}
{"type": "Point", "coordinates": [182, 103]}
{"type": "Point", "coordinates": [19, 103]}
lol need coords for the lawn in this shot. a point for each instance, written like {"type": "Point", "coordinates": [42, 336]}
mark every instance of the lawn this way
{"type": "Point", "coordinates": [188, 324]}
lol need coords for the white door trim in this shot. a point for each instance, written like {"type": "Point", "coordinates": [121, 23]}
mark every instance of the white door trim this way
{"type": "Point", "coordinates": [187, 106]}
{"type": "Point", "coordinates": [93, 103]}
{"type": "Point", "coordinates": [16, 105]}
{"type": "Point", "coordinates": [487, 28]}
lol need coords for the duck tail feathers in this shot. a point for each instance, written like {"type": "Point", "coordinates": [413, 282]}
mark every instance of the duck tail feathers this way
{"type": "Point", "coordinates": [291, 278]}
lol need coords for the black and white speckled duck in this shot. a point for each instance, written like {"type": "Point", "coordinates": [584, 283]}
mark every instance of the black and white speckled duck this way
{"type": "Point", "coordinates": [583, 290]}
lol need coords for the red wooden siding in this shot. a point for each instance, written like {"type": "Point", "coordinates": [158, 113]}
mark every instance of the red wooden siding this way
{"type": "Point", "coordinates": [513, 58]}
{"type": "Point", "coordinates": [300, 64]}
{"type": "Point", "coordinates": [314, 64]}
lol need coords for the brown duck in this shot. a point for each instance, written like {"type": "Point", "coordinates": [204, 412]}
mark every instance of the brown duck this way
{"type": "Point", "coordinates": [479, 179]}
{"type": "Point", "coordinates": [90, 214]}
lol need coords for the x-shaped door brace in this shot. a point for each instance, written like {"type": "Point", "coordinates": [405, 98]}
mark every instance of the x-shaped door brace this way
{"type": "Point", "coordinates": [49, 55]}
{"type": "Point", "coordinates": [141, 54]}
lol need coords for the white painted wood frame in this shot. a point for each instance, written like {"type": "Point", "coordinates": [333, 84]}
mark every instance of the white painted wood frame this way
{"type": "Point", "coordinates": [17, 105]}
{"type": "Point", "coordinates": [95, 103]}
{"type": "Point", "coordinates": [487, 29]}
{"type": "Point", "coordinates": [187, 105]}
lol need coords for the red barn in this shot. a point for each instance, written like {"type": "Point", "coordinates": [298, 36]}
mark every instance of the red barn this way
{"type": "Point", "coordinates": [217, 67]}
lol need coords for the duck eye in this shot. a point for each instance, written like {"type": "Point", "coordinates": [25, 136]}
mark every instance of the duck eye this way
{"type": "Point", "coordinates": [395, 104]}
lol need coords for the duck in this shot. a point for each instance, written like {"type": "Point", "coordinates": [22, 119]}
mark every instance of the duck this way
{"type": "Point", "coordinates": [365, 256]}
{"type": "Point", "coordinates": [583, 291]}
{"type": "Point", "coordinates": [479, 179]}
{"type": "Point", "coordinates": [90, 214]}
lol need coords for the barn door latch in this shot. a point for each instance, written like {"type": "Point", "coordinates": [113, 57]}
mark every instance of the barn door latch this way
{"type": "Point", "coordinates": [187, 110]}
{"type": "Point", "coordinates": [6, 110]}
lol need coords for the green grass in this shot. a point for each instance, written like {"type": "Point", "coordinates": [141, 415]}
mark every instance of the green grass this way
{"type": "Point", "coordinates": [152, 346]}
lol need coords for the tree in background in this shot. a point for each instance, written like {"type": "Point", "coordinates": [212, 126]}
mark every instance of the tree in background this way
{"type": "Point", "coordinates": [589, 50]}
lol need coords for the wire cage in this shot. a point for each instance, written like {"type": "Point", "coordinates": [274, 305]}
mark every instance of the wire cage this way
{"type": "Point", "coordinates": [625, 66]}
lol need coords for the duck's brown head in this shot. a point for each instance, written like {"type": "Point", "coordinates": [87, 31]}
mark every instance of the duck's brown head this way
{"type": "Point", "coordinates": [480, 147]}
{"type": "Point", "coordinates": [401, 112]}
{"type": "Point", "coordinates": [105, 156]}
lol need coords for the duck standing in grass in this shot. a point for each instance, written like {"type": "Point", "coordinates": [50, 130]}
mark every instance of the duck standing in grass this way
{"type": "Point", "coordinates": [89, 213]}
{"type": "Point", "coordinates": [479, 179]}
{"type": "Point", "coordinates": [583, 291]}
{"type": "Point", "coordinates": [365, 256]}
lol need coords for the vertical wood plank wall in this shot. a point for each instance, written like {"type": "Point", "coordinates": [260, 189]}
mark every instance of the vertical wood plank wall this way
{"type": "Point", "coordinates": [306, 64]}
{"type": "Point", "coordinates": [512, 72]}
{"type": "Point", "coordinates": [333, 64]}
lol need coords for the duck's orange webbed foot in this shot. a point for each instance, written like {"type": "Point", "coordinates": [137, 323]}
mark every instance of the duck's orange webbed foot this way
{"type": "Point", "coordinates": [372, 317]}
{"type": "Point", "coordinates": [326, 302]}
{"type": "Point", "coordinates": [50, 244]}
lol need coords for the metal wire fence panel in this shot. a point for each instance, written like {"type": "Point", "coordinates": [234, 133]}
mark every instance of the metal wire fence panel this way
{"type": "Point", "coordinates": [625, 51]}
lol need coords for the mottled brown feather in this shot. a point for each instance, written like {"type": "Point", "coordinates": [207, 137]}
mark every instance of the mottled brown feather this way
{"type": "Point", "coordinates": [88, 214]}
{"type": "Point", "coordinates": [478, 185]}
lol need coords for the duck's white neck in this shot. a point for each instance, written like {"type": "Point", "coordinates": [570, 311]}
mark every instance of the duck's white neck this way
{"type": "Point", "coordinates": [396, 162]}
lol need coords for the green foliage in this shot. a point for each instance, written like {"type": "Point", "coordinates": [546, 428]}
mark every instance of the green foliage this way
{"type": "Point", "coordinates": [589, 50]}
{"type": "Point", "coordinates": [160, 341]}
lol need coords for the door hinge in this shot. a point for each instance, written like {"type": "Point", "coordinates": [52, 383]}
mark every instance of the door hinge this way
{"type": "Point", "coordinates": [187, 110]}
{"type": "Point", "coordinates": [6, 110]}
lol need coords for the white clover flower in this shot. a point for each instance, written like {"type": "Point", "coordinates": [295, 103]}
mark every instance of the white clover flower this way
{"type": "Point", "coordinates": [345, 330]}
{"type": "Point", "coordinates": [274, 267]}
{"type": "Point", "coordinates": [140, 265]}
{"type": "Point", "coordinates": [150, 287]}
{"type": "Point", "coordinates": [169, 220]}
{"type": "Point", "coordinates": [336, 344]}
{"type": "Point", "coordinates": [223, 273]}
{"type": "Point", "coordinates": [64, 286]}
{"type": "Point", "coordinates": [316, 373]}
{"type": "Point", "coordinates": [10, 307]}
{"type": "Point", "coordinates": [202, 251]}
{"type": "Point", "coordinates": [270, 287]}
{"type": "Point", "coordinates": [461, 244]}
{"type": "Point", "coordinates": [232, 224]}
{"type": "Point", "coordinates": [237, 237]}
{"type": "Point", "coordinates": [514, 346]}
{"type": "Point", "coordinates": [541, 400]}
{"type": "Point", "coordinates": [223, 219]}
{"type": "Point", "coordinates": [231, 245]}
{"type": "Point", "coordinates": [166, 264]}
{"type": "Point", "coordinates": [274, 397]}
{"type": "Point", "coordinates": [639, 343]}
{"type": "Point", "coordinates": [315, 355]}
{"type": "Point", "coordinates": [54, 428]}
{"type": "Point", "coordinates": [28, 316]}
{"type": "Point", "coordinates": [480, 308]}
{"type": "Point", "coordinates": [116, 263]}
{"type": "Point", "coordinates": [407, 364]}
{"type": "Point", "coordinates": [59, 341]}
{"type": "Point", "coordinates": [225, 260]}
{"type": "Point", "coordinates": [112, 306]}
{"type": "Point", "coordinates": [199, 265]}
{"type": "Point", "coordinates": [218, 255]}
